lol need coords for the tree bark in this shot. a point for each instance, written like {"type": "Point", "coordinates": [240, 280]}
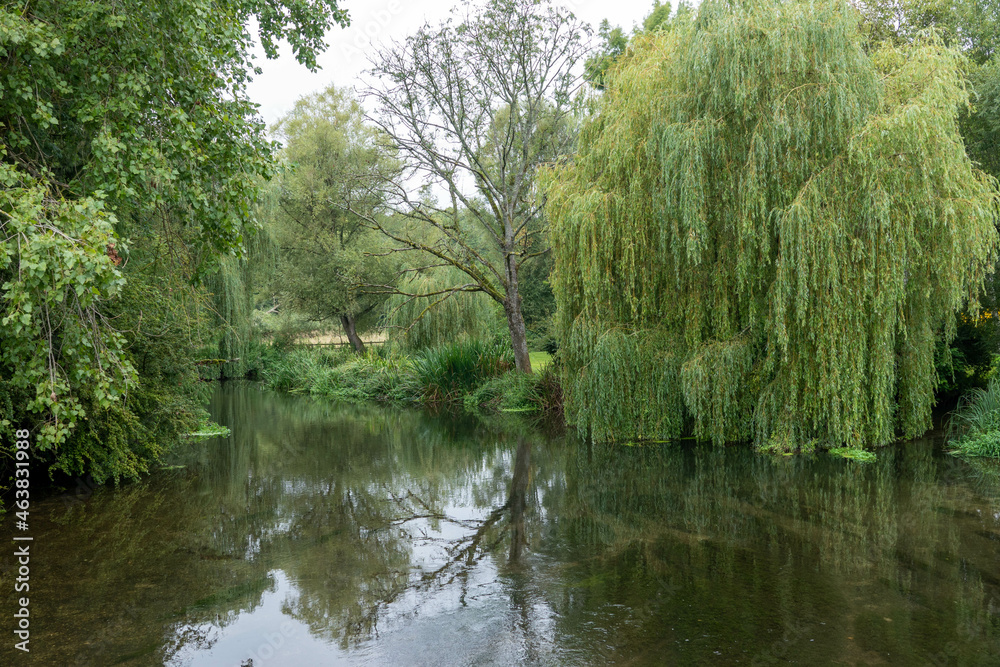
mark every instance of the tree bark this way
{"type": "Point", "coordinates": [515, 320]}
{"type": "Point", "coordinates": [352, 334]}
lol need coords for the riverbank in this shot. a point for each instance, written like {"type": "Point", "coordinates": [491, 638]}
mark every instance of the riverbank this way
{"type": "Point", "coordinates": [478, 376]}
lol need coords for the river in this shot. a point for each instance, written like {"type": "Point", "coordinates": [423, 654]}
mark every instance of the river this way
{"type": "Point", "coordinates": [329, 534]}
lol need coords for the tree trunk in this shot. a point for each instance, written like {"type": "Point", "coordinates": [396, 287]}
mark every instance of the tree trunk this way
{"type": "Point", "coordinates": [352, 334]}
{"type": "Point", "coordinates": [515, 320]}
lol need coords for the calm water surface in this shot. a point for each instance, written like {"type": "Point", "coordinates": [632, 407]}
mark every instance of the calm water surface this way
{"type": "Point", "coordinates": [325, 534]}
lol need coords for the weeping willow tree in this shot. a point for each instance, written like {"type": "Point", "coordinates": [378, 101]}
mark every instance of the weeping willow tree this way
{"type": "Point", "coordinates": [765, 232]}
{"type": "Point", "coordinates": [232, 289]}
{"type": "Point", "coordinates": [416, 321]}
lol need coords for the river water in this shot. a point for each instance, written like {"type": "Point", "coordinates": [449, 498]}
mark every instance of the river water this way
{"type": "Point", "coordinates": [328, 534]}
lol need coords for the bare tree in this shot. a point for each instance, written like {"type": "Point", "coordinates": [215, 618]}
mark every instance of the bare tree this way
{"type": "Point", "coordinates": [474, 105]}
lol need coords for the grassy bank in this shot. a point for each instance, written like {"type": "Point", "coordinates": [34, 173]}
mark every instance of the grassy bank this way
{"type": "Point", "coordinates": [476, 375]}
{"type": "Point", "coordinates": [974, 427]}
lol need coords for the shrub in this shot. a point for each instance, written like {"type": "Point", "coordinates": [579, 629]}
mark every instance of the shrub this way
{"type": "Point", "coordinates": [447, 372]}
{"type": "Point", "coordinates": [518, 392]}
{"type": "Point", "coordinates": [479, 373]}
{"type": "Point", "coordinates": [974, 426]}
{"type": "Point", "coordinates": [985, 444]}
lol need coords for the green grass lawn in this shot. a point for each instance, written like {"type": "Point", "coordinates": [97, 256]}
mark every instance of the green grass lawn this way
{"type": "Point", "coordinates": [539, 360]}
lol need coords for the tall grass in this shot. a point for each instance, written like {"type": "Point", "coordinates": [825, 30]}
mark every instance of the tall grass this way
{"type": "Point", "coordinates": [974, 426]}
{"type": "Point", "coordinates": [447, 372]}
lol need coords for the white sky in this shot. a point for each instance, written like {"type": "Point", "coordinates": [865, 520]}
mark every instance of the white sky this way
{"type": "Point", "coordinates": [381, 21]}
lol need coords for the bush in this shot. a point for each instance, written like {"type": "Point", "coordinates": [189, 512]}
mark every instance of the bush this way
{"type": "Point", "coordinates": [518, 392]}
{"type": "Point", "coordinates": [511, 392]}
{"type": "Point", "coordinates": [447, 372]}
{"type": "Point", "coordinates": [370, 377]}
{"type": "Point", "coordinates": [479, 374]}
{"type": "Point", "coordinates": [974, 426]}
{"type": "Point", "coordinates": [985, 444]}
{"type": "Point", "coordinates": [339, 373]}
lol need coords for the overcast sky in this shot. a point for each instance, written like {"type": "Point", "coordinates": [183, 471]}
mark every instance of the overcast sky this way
{"type": "Point", "coordinates": [382, 21]}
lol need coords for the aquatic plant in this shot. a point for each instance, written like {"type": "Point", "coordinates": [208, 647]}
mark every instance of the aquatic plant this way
{"type": "Point", "coordinates": [854, 454]}
{"type": "Point", "coordinates": [209, 429]}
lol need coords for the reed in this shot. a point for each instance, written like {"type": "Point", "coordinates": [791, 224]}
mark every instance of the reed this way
{"type": "Point", "coordinates": [974, 426]}
{"type": "Point", "coordinates": [447, 372]}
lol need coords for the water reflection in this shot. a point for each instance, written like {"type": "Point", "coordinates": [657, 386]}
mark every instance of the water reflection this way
{"type": "Point", "coordinates": [518, 499]}
{"type": "Point", "coordinates": [329, 534]}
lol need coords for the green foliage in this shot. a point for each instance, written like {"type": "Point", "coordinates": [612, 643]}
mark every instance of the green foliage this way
{"type": "Point", "coordinates": [517, 392]}
{"type": "Point", "coordinates": [785, 445]}
{"type": "Point", "coordinates": [474, 372]}
{"type": "Point", "coordinates": [146, 102]}
{"type": "Point", "coordinates": [974, 426]}
{"type": "Point", "coordinates": [979, 443]}
{"type": "Point", "coordinates": [981, 123]}
{"type": "Point", "coordinates": [121, 439]}
{"type": "Point", "coordinates": [56, 274]}
{"type": "Point", "coordinates": [971, 25]}
{"type": "Point", "coordinates": [968, 360]}
{"type": "Point", "coordinates": [231, 289]}
{"type": "Point", "coordinates": [446, 373]}
{"type": "Point", "coordinates": [283, 327]}
{"type": "Point", "coordinates": [337, 373]}
{"type": "Point", "coordinates": [538, 303]}
{"type": "Point", "coordinates": [474, 106]}
{"type": "Point", "coordinates": [794, 221]}
{"type": "Point", "coordinates": [327, 268]}
{"type": "Point", "coordinates": [660, 15]}
{"type": "Point", "coordinates": [610, 365]}
{"type": "Point", "coordinates": [372, 377]}
{"type": "Point", "coordinates": [417, 323]}
{"type": "Point", "coordinates": [854, 454]}
{"type": "Point", "coordinates": [613, 44]}
{"type": "Point", "coordinates": [122, 120]}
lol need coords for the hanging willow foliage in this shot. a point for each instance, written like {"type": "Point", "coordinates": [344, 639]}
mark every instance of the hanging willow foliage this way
{"type": "Point", "coordinates": [418, 323]}
{"type": "Point", "coordinates": [232, 288]}
{"type": "Point", "coordinates": [765, 231]}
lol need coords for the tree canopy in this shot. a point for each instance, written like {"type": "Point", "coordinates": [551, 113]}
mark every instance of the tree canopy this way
{"type": "Point", "coordinates": [614, 41]}
{"type": "Point", "coordinates": [973, 27]}
{"type": "Point", "coordinates": [766, 230]}
{"type": "Point", "coordinates": [121, 121]}
{"type": "Point", "coordinates": [327, 253]}
{"type": "Point", "coordinates": [474, 106]}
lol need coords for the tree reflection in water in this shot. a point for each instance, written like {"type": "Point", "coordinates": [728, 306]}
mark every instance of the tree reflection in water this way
{"type": "Point", "coordinates": [383, 522]}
